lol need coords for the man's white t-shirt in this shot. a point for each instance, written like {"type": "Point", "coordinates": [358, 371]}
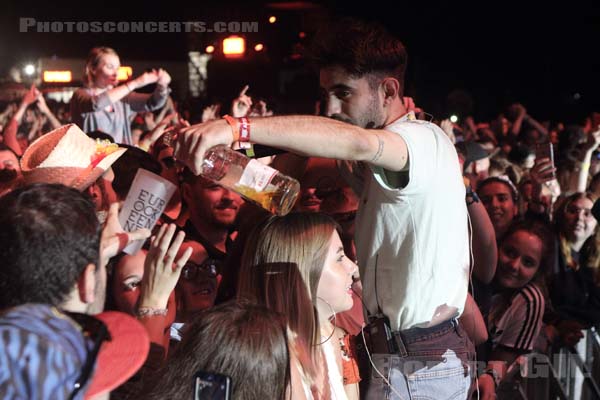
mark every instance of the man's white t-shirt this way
{"type": "Point", "coordinates": [412, 243]}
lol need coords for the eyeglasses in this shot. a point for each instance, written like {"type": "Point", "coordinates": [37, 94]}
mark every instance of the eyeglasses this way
{"type": "Point", "coordinates": [97, 331]}
{"type": "Point", "coordinates": [191, 270]}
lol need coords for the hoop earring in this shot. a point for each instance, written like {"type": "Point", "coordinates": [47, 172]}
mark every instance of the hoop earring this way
{"type": "Point", "coordinates": [334, 320]}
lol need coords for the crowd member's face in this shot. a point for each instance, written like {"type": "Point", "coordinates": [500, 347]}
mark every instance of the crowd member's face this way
{"type": "Point", "coordinates": [199, 280]}
{"type": "Point", "coordinates": [498, 201]}
{"type": "Point", "coordinates": [334, 293]}
{"type": "Point", "coordinates": [579, 221]}
{"type": "Point", "coordinates": [519, 259]}
{"type": "Point", "coordinates": [102, 191]}
{"type": "Point", "coordinates": [351, 99]}
{"type": "Point", "coordinates": [9, 166]}
{"type": "Point", "coordinates": [126, 281]}
{"type": "Point", "coordinates": [308, 200]}
{"type": "Point", "coordinates": [214, 204]}
{"type": "Point", "coordinates": [106, 72]}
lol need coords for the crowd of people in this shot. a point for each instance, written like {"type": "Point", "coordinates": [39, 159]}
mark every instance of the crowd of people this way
{"type": "Point", "coordinates": [422, 258]}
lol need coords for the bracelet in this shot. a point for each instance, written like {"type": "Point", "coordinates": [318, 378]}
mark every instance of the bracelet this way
{"type": "Point", "coordinates": [471, 197]}
{"type": "Point", "coordinates": [151, 312]}
{"type": "Point", "coordinates": [234, 128]}
{"type": "Point", "coordinates": [240, 129]}
{"type": "Point", "coordinates": [128, 88]}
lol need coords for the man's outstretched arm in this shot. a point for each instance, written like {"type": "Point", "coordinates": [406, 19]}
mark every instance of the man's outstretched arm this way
{"type": "Point", "coordinates": [304, 135]}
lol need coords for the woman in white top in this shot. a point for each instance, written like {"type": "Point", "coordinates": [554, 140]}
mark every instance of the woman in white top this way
{"type": "Point", "coordinates": [296, 265]}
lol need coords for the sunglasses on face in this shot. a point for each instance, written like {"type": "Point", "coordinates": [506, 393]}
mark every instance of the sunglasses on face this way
{"type": "Point", "coordinates": [94, 329]}
{"type": "Point", "coordinates": [191, 271]}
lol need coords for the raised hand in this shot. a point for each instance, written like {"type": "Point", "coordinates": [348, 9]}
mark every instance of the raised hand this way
{"type": "Point", "coordinates": [161, 269]}
{"type": "Point", "coordinates": [543, 171]}
{"type": "Point", "coordinates": [146, 78]}
{"type": "Point", "coordinates": [241, 106]}
{"type": "Point", "coordinates": [194, 141]}
{"type": "Point", "coordinates": [114, 238]}
{"type": "Point", "coordinates": [163, 78]}
{"type": "Point", "coordinates": [448, 128]}
{"type": "Point", "coordinates": [31, 96]}
{"type": "Point", "coordinates": [211, 112]}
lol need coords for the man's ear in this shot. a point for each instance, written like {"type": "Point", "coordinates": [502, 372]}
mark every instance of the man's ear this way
{"type": "Point", "coordinates": [94, 192]}
{"type": "Point", "coordinates": [86, 284]}
{"type": "Point", "coordinates": [391, 90]}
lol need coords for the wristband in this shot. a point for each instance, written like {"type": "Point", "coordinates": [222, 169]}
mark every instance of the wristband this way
{"type": "Point", "coordinates": [471, 197]}
{"type": "Point", "coordinates": [240, 128]}
{"type": "Point", "coordinates": [128, 88]}
{"type": "Point", "coordinates": [234, 128]}
{"type": "Point", "coordinates": [151, 312]}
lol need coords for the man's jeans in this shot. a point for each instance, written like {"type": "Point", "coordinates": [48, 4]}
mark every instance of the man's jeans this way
{"type": "Point", "coordinates": [432, 363]}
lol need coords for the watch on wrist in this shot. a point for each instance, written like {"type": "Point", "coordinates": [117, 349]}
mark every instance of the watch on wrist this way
{"type": "Point", "coordinates": [471, 197]}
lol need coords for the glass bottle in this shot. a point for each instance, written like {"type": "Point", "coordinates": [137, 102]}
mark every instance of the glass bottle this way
{"type": "Point", "coordinates": [251, 179]}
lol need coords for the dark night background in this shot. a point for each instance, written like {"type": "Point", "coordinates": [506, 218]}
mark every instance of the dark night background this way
{"type": "Point", "coordinates": [546, 57]}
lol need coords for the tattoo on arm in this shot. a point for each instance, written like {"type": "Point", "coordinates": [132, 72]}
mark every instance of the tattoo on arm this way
{"type": "Point", "coordinates": [377, 155]}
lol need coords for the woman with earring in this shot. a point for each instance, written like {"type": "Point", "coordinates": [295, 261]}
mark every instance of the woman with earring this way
{"type": "Point", "coordinates": [296, 266]}
{"type": "Point", "coordinates": [108, 106]}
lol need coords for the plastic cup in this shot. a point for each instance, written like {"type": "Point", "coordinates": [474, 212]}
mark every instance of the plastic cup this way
{"type": "Point", "coordinates": [147, 199]}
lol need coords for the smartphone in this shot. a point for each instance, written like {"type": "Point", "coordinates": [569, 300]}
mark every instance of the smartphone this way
{"type": "Point", "coordinates": [545, 150]}
{"type": "Point", "coordinates": [211, 386]}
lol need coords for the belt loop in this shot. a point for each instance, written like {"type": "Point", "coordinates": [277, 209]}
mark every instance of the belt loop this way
{"type": "Point", "coordinates": [400, 345]}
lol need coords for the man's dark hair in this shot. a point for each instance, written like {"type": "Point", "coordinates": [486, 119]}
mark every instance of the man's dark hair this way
{"type": "Point", "coordinates": [127, 166]}
{"type": "Point", "coordinates": [49, 234]}
{"type": "Point", "coordinates": [361, 48]}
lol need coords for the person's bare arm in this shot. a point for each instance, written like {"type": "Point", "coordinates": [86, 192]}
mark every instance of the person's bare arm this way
{"type": "Point", "coordinates": [485, 252]}
{"type": "Point", "coordinates": [473, 322]}
{"type": "Point", "coordinates": [43, 107]}
{"type": "Point", "coordinates": [304, 135]}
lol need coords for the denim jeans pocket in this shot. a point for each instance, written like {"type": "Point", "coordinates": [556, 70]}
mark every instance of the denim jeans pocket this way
{"type": "Point", "coordinates": [419, 378]}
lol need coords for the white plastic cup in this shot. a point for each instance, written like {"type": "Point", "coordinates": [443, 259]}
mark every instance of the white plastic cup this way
{"type": "Point", "coordinates": [147, 199]}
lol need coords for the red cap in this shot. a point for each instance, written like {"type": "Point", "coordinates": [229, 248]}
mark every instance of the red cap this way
{"type": "Point", "coordinates": [120, 357]}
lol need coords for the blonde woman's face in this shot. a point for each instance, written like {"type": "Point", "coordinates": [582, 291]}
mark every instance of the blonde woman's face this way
{"type": "Point", "coordinates": [106, 72]}
{"type": "Point", "coordinates": [334, 293]}
{"type": "Point", "coordinates": [579, 221]}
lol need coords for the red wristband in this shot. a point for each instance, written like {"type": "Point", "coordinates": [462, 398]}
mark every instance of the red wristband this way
{"type": "Point", "coordinates": [244, 129]}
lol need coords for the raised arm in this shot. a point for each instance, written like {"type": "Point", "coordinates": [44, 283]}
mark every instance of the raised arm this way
{"type": "Point", "coordinates": [304, 135]}
{"type": "Point", "coordinates": [85, 102]}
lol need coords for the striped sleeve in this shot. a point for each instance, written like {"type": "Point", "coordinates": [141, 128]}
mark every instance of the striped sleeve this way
{"type": "Point", "coordinates": [522, 321]}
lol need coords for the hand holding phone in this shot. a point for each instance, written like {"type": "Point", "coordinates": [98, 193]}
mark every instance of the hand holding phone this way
{"type": "Point", "coordinates": [543, 170]}
{"type": "Point", "coordinates": [545, 150]}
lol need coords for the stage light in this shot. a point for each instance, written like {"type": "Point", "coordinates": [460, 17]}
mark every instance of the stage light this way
{"type": "Point", "coordinates": [272, 19]}
{"type": "Point", "coordinates": [209, 49]}
{"type": "Point", "coordinates": [234, 46]}
{"type": "Point", "coordinates": [259, 47]}
{"type": "Point", "coordinates": [29, 69]}
{"type": "Point", "coordinates": [57, 76]}
{"type": "Point", "coordinates": [453, 119]}
{"type": "Point", "coordinates": [124, 72]}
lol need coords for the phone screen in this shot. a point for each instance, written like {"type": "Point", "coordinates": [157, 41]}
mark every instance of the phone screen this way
{"type": "Point", "coordinates": [211, 386]}
{"type": "Point", "coordinates": [545, 150]}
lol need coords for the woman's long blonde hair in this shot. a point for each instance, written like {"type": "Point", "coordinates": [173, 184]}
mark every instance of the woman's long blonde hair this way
{"type": "Point", "coordinates": [93, 61]}
{"type": "Point", "coordinates": [281, 268]}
